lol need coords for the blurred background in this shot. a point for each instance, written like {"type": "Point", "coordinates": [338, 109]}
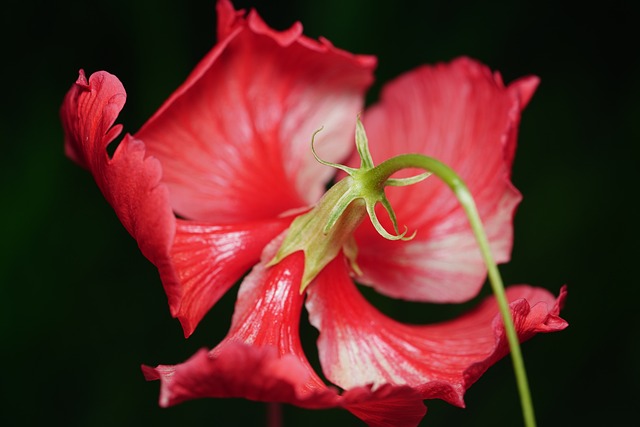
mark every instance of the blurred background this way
{"type": "Point", "coordinates": [81, 308]}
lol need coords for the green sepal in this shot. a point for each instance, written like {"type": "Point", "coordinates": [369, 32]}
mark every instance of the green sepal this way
{"type": "Point", "coordinates": [328, 228]}
{"type": "Point", "coordinates": [308, 232]}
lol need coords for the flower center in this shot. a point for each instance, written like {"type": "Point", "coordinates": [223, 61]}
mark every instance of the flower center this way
{"type": "Point", "coordinates": [328, 228]}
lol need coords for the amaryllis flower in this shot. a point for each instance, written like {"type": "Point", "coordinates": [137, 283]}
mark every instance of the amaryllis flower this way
{"type": "Point", "coordinates": [222, 181]}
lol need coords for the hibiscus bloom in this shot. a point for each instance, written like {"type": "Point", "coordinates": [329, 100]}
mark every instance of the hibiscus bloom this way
{"type": "Point", "coordinates": [210, 186]}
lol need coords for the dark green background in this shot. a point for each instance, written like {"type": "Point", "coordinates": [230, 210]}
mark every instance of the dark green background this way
{"type": "Point", "coordinates": [81, 309]}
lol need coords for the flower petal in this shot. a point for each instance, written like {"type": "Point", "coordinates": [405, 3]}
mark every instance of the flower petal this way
{"type": "Point", "coordinates": [386, 406]}
{"type": "Point", "coordinates": [259, 373]}
{"type": "Point", "coordinates": [234, 139]}
{"type": "Point", "coordinates": [198, 262]}
{"type": "Point", "coordinates": [263, 341]}
{"type": "Point", "coordinates": [129, 180]}
{"type": "Point", "coordinates": [262, 358]}
{"type": "Point", "coordinates": [240, 370]}
{"type": "Point", "coordinates": [358, 345]}
{"type": "Point", "coordinates": [208, 259]}
{"type": "Point", "coordinates": [461, 114]}
{"type": "Point", "coordinates": [268, 308]}
{"type": "Point", "coordinates": [88, 112]}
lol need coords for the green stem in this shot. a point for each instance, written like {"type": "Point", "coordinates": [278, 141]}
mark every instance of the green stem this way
{"type": "Point", "coordinates": [383, 171]}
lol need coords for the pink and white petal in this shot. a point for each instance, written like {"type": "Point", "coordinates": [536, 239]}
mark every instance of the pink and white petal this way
{"type": "Point", "coordinates": [234, 139]}
{"type": "Point", "coordinates": [208, 259]}
{"type": "Point", "coordinates": [443, 262]}
{"type": "Point", "coordinates": [358, 345]}
{"type": "Point", "coordinates": [461, 114]}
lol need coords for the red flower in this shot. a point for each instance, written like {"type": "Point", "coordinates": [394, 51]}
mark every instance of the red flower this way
{"type": "Point", "coordinates": [213, 180]}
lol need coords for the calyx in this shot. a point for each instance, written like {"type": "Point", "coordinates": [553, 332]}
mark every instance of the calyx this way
{"type": "Point", "coordinates": [329, 226]}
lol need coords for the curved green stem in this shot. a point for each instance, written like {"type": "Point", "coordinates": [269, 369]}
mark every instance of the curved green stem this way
{"type": "Point", "coordinates": [384, 170]}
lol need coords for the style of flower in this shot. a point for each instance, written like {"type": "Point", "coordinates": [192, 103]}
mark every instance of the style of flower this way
{"type": "Point", "coordinates": [210, 187]}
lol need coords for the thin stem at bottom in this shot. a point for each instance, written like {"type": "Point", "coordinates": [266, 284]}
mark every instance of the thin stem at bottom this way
{"type": "Point", "coordinates": [274, 414]}
{"type": "Point", "coordinates": [384, 170]}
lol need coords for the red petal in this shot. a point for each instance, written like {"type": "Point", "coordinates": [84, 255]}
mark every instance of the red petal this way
{"type": "Point", "coordinates": [234, 139]}
{"type": "Point", "coordinates": [358, 345]}
{"type": "Point", "coordinates": [130, 181]}
{"type": "Point", "coordinates": [259, 373]}
{"type": "Point", "coordinates": [461, 114]}
{"type": "Point", "coordinates": [386, 406]}
{"type": "Point", "coordinates": [262, 358]}
{"type": "Point", "coordinates": [240, 370]}
{"type": "Point", "coordinates": [209, 259]}
{"type": "Point", "coordinates": [267, 311]}
{"type": "Point", "coordinates": [228, 18]}
{"type": "Point", "coordinates": [88, 112]}
{"type": "Point", "coordinates": [265, 331]}
{"type": "Point", "coordinates": [198, 263]}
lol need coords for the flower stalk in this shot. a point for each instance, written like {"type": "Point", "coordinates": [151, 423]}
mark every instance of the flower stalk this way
{"type": "Point", "coordinates": [459, 188]}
